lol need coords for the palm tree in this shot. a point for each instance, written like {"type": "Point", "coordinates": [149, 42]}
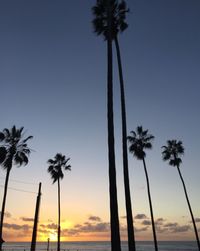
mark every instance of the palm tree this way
{"type": "Point", "coordinates": [139, 141]}
{"type": "Point", "coordinates": [172, 153]}
{"type": "Point", "coordinates": [120, 11]}
{"type": "Point", "coordinates": [13, 150]}
{"type": "Point", "coordinates": [55, 169]}
{"type": "Point", "coordinates": [103, 26]}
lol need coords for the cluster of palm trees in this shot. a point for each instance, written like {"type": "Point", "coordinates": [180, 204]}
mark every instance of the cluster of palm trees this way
{"type": "Point", "coordinates": [140, 140]}
{"type": "Point", "coordinates": [109, 20]}
{"type": "Point", "coordinates": [14, 150]}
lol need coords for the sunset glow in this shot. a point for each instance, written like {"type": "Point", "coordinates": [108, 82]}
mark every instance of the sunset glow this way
{"type": "Point", "coordinates": [53, 77]}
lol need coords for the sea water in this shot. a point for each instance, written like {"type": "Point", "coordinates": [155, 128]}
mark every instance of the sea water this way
{"type": "Point", "coordinates": [103, 246]}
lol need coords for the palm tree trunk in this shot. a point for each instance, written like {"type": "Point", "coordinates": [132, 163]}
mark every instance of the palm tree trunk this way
{"type": "Point", "coordinates": [114, 217]}
{"type": "Point", "coordinates": [3, 206]}
{"type": "Point", "coordinates": [190, 208]}
{"type": "Point", "coordinates": [58, 244]}
{"type": "Point", "coordinates": [130, 228]}
{"type": "Point", "coordinates": [151, 208]}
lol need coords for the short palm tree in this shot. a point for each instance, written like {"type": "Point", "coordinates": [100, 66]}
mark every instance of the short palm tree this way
{"type": "Point", "coordinates": [55, 169]}
{"type": "Point", "coordinates": [172, 153]}
{"type": "Point", "coordinates": [13, 150]}
{"type": "Point", "coordinates": [103, 25]}
{"type": "Point", "coordinates": [139, 142]}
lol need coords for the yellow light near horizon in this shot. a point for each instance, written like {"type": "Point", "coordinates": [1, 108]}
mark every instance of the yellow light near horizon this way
{"type": "Point", "coordinates": [53, 237]}
{"type": "Point", "coordinates": [66, 224]}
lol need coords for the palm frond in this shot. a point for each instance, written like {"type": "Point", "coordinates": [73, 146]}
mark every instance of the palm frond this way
{"type": "Point", "coordinates": [16, 147]}
{"type": "Point", "coordinates": [172, 152]}
{"type": "Point", "coordinates": [140, 141]}
{"type": "Point", "coordinates": [56, 165]}
{"type": "Point", "coordinates": [3, 153]}
{"type": "Point", "coordinates": [112, 10]}
{"type": "Point", "coordinates": [2, 136]}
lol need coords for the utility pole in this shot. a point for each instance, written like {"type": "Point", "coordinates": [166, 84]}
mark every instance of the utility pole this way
{"type": "Point", "coordinates": [48, 244]}
{"type": "Point", "coordinates": [34, 235]}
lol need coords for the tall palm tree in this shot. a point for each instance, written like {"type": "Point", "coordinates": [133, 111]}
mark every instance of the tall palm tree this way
{"type": "Point", "coordinates": [103, 26]}
{"type": "Point", "coordinates": [55, 169]}
{"type": "Point", "coordinates": [13, 150]}
{"type": "Point", "coordinates": [172, 153]}
{"type": "Point", "coordinates": [119, 13]}
{"type": "Point", "coordinates": [139, 141]}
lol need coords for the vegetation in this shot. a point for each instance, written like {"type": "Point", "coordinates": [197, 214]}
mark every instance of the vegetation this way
{"type": "Point", "coordinates": [103, 25]}
{"type": "Point", "coordinates": [172, 152]}
{"type": "Point", "coordinates": [55, 169]}
{"type": "Point", "coordinates": [13, 150]}
{"type": "Point", "coordinates": [120, 11]}
{"type": "Point", "coordinates": [139, 141]}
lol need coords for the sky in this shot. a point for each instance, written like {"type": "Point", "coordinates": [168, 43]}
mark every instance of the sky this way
{"type": "Point", "coordinates": [53, 82]}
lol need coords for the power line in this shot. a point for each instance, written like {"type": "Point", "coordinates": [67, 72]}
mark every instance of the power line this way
{"type": "Point", "coordinates": [19, 190]}
{"type": "Point", "coordinates": [19, 181]}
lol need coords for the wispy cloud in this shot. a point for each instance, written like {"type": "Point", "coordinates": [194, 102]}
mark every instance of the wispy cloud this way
{"type": "Point", "coordinates": [94, 218]}
{"type": "Point", "coordinates": [49, 226]}
{"type": "Point", "coordinates": [197, 220]}
{"type": "Point", "coordinates": [142, 229]}
{"type": "Point", "coordinates": [181, 229]}
{"type": "Point", "coordinates": [171, 225]}
{"type": "Point", "coordinates": [7, 214]}
{"type": "Point", "coordinates": [140, 217]}
{"type": "Point", "coordinates": [24, 227]}
{"type": "Point", "coordinates": [146, 222]}
{"type": "Point", "coordinates": [159, 221]}
{"type": "Point", "coordinates": [27, 219]}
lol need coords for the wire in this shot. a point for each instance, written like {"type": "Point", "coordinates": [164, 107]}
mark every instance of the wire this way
{"type": "Point", "coordinates": [19, 181]}
{"type": "Point", "coordinates": [19, 190]}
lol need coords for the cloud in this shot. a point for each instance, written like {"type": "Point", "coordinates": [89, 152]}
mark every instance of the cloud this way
{"type": "Point", "coordinates": [92, 226]}
{"type": "Point", "coordinates": [123, 217]}
{"type": "Point", "coordinates": [137, 230]}
{"type": "Point", "coordinates": [94, 218]}
{"type": "Point", "coordinates": [146, 222]}
{"type": "Point", "coordinates": [49, 226]}
{"type": "Point", "coordinates": [197, 220]}
{"type": "Point", "coordinates": [99, 227]}
{"type": "Point", "coordinates": [7, 214]}
{"type": "Point", "coordinates": [159, 221]}
{"type": "Point", "coordinates": [171, 225]}
{"type": "Point", "coordinates": [140, 217]}
{"type": "Point", "coordinates": [44, 231]}
{"type": "Point", "coordinates": [24, 227]}
{"type": "Point", "coordinates": [70, 232]}
{"type": "Point", "coordinates": [181, 229]}
{"type": "Point", "coordinates": [27, 219]}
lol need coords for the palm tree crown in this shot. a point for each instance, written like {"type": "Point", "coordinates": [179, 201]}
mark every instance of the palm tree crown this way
{"type": "Point", "coordinates": [117, 13]}
{"type": "Point", "coordinates": [56, 165]}
{"type": "Point", "coordinates": [172, 152]}
{"type": "Point", "coordinates": [139, 141]}
{"type": "Point", "coordinates": [13, 147]}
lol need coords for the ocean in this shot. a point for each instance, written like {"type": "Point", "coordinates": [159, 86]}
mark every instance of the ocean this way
{"type": "Point", "coordinates": [104, 246]}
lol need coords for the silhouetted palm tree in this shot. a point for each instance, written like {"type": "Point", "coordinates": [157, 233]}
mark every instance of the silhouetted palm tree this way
{"type": "Point", "coordinates": [139, 141]}
{"type": "Point", "coordinates": [120, 11]}
{"type": "Point", "coordinates": [55, 169]}
{"type": "Point", "coordinates": [172, 153]}
{"type": "Point", "coordinates": [103, 26]}
{"type": "Point", "coordinates": [13, 150]}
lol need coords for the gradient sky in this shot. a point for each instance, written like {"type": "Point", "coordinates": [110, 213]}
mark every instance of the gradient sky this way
{"type": "Point", "coordinates": [53, 82]}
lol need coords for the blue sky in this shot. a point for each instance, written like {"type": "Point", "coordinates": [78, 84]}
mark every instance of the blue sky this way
{"type": "Point", "coordinates": [53, 82]}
